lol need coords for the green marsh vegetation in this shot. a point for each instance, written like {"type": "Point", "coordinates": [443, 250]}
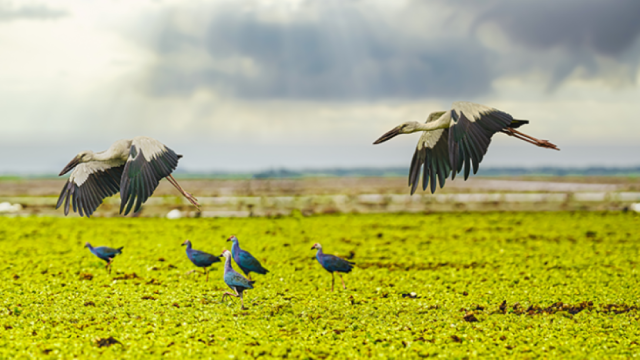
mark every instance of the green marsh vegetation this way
{"type": "Point", "coordinates": [487, 284]}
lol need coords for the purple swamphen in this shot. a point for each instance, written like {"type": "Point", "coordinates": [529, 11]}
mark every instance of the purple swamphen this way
{"type": "Point", "coordinates": [246, 262]}
{"type": "Point", "coordinates": [332, 264]}
{"type": "Point", "coordinates": [105, 253]}
{"type": "Point", "coordinates": [234, 279]}
{"type": "Point", "coordinates": [200, 258]}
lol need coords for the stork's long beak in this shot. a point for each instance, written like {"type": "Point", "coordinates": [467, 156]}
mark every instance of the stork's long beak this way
{"type": "Point", "coordinates": [388, 135]}
{"type": "Point", "coordinates": [73, 163]}
{"type": "Point", "coordinates": [184, 243]}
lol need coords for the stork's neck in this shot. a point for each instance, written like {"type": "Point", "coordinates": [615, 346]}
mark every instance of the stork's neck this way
{"type": "Point", "coordinates": [442, 122]}
{"type": "Point", "coordinates": [109, 154]}
{"type": "Point", "coordinates": [426, 127]}
{"type": "Point", "coordinates": [118, 151]}
{"type": "Point", "coordinates": [100, 156]}
{"type": "Point", "coordinates": [188, 246]}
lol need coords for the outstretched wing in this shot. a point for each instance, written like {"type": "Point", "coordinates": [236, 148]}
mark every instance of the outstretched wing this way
{"type": "Point", "coordinates": [470, 131]}
{"type": "Point", "coordinates": [149, 161]}
{"type": "Point", "coordinates": [89, 184]}
{"type": "Point", "coordinates": [432, 156]}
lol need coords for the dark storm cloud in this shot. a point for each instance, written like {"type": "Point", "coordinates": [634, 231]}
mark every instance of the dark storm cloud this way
{"type": "Point", "coordinates": [10, 12]}
{"type": "Point", "coordinates": [352, 53]}
{"type": "Point", "coordinates": [345, 56]}
{"type": "Point", "coordinates": [606, 27]}
{"type": "Point", "coordinates": [570, 38]}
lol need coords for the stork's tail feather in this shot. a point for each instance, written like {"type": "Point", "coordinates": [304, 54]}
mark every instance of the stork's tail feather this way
{"type": "Point", "coordinates": [120, 249]}
{"type": "Point", "coordinates": [517, 123]}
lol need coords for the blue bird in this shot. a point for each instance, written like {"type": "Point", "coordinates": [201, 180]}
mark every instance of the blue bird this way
{"type": "Point", "coordinates": [200, 258]}
{"type": "Point", "coordinates": [332, 264]}
{"type": "Point", "coordinates": [105, 253]}
{"type": "Point", "coordinates": [234, 279]}
{"type": "Point", "coordinates": [246, 262]}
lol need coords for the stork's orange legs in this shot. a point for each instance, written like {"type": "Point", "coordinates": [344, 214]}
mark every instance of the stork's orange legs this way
{"type": "Point", "coordinates": [530, 139]}
{"type": "Point", "coordinates": [189, 197]}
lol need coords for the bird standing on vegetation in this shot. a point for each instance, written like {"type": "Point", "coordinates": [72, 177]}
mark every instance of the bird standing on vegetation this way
{"type": "Point", "coordinates": [105, 253]}
{"type": "Point", "coordinates": [132, 167]}
{"type": "Point", "coordinates": [234, 279]}
{"type": "Point", "coordinates": [332, 263]}
{"type": "Point", "coordinates": [454, 138]}
{"type": "Point", "coordinates": [246, 262]}
{"type": "Point", "coordinates": [200, 258]}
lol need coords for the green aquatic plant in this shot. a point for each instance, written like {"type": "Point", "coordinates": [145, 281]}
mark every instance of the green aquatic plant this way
{"type": "Point", "coordinates": [554, 285]}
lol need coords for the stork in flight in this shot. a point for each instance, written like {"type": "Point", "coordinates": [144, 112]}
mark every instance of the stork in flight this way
{"type": "Point", "coordinates": [132, 167]}
{"type": "Point", "coordinates": [456, 138]}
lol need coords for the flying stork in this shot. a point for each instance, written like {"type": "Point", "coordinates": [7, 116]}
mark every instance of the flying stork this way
{"type": "Point", "coordinates": [454, 138]}
{"type": "Point", "coordinates": [132, 167]}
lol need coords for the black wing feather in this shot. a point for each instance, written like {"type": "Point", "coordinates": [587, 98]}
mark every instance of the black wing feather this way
{"type": "Point", "coordinates": [433, 176]}
{"type": "Point", "coordinates": [62, 196]}
{"type": "Point", "coordinates": [85, 198]}
{"type": "Point", "coordinates": [433, 161]}
{"type": "Point", "coordinates": [442, 154]}
{"type": "Point", "coordinates": [141, 177]}
{"type": "Point", "coordinates": [469, 140]}
{"type": "Point", "coordinates": [425, 172]}
{"type": "Point", "coordinates": [74, 200]}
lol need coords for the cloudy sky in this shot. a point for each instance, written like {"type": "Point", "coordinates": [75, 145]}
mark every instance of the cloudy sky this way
{"type": "Point", "coordinates": [256, 84]}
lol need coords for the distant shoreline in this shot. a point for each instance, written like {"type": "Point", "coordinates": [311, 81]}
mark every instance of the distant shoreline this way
{"type": "Point", "coordinates": [284, 173]}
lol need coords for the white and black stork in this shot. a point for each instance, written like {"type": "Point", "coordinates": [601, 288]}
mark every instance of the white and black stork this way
{"type": "Point", "coordinates": [132, 167]}
{"type": "Point", "coordinates": [455, 139]}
